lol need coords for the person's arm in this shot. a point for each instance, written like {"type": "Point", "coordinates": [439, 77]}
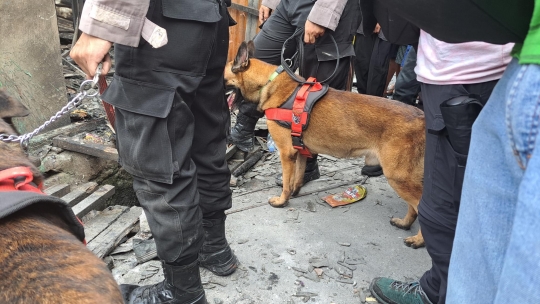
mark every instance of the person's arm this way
{"type": "Point", "coordinates": [267, 6]}
{"type": "Point", "coordinates": [325, 14]}
{"type": "Point", "coordinates": [106, 21]}
{"type": "Point", "coordinates": [271, 4]}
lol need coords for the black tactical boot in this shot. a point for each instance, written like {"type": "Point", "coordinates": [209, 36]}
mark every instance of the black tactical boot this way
{"type": "Point", "coordinates": [311, 173]}
{"type": "Point", "coordinates": [215, 254]}
{"type": "Point", "coordinates": [375, 170]}
{"type": "Point", "coordinates": [243, 133]}
{"type": "Point", "coordinates": [182, 285]}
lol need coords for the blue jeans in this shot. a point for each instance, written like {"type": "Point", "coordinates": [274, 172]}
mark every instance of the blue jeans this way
{"type": "Point", "coordinates": [496, 253]}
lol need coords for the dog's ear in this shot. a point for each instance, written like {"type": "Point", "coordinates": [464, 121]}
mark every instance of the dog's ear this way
{"type": "Point", "coordinates": [241, 62]}
{"type": "Point", "coordinates": [9, 107]}
{"type": "Point", "coordinates": [251, 48]}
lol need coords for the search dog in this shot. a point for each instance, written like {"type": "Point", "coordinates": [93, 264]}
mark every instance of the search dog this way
{"type": "Point", "coordinates": [42, 260]}
{"type": "Point", "coordinates": [341, 124]}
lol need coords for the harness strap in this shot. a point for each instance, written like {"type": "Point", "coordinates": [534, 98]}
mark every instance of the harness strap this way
{"type": "Point", "coordinates": [18, 178]}
{"type": "Point", "coordinates": [297, 116]}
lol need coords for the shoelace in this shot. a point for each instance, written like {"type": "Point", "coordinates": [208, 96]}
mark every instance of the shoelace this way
{"type": "Point", "coordinates": [410, 287]}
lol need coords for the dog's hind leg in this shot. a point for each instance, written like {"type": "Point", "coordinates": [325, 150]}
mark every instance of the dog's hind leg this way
{"type": "Point", "coordinates": [411, 192]}
{"type": "Point", "coordinates": [288, 158]}
{"type": "Point", "coordinates": [298, 181]}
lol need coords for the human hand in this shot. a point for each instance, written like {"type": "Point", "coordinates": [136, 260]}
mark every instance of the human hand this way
{"type": "Point", "coordinates": [377, 29]}
{"type": "Point", "coordinates": [89, 51]}
{"type": "Point", "coordinates": [264, 13]}
{"type": "Point", "coordinates": [312, 31]}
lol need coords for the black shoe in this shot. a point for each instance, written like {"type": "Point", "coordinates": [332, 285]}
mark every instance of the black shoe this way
{"type": "Point", "coordinates": [216, 254]}
{"type": "Point", "coordinates": [311, 173]}
{"type": "Point", "coordinates": [375, 170]}
{"type": "Point", "coordinates": [182, 285]}
{"type": "Point", "coordinates": [243, 132]}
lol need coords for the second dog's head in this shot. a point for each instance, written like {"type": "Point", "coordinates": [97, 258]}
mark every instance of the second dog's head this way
{"type": "Point", "coordinates": [12, 155]}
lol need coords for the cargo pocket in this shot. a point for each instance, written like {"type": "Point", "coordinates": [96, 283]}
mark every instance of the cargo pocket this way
{"type": "Point", "coordinates": [448, 168]}
{"type": "Point", "coordinates": [143, 142]}
{"type": "Point", "coordinates": [200, 10]}
{"type": "Point", "coordinates": [327, 51]}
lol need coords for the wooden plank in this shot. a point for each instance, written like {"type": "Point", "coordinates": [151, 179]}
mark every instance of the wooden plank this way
{"type": "Point", "coordinates": [96, 225]}
{"type": "Point", "coordinates": [64, 25]}
{"type": "Point", "coordinates": [58, 190]}
{"type": "Point", "coordinates": [69, 130]}
{"type": "Point", "coordinates": [30, 64]}
{"type": "Point", "coordinates": [252, 23]}
{"type": "Point", "coordinates": [92, 149]}
{"type": "Point", "coordinates": [94, 201]}
{"type": "Point", "coordinates": [79, 193]}
{"type": "Point", "coordinates": [109, 238]}
{"type": "Point", "coordinates": [230, 151]}
{"type": "Point", "coordinates": [247, 9]}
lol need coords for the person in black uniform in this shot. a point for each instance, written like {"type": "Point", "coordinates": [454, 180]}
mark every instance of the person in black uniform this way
{"type": "Point", "coordinates": [171, 123]}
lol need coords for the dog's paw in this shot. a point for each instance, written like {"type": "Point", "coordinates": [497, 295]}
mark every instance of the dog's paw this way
{"type": "Point", "coordinates": [399, 223]}
{"type": "Point", "coordinates": [276, 202]}
{"type": "Point", "coordinates": [414, 242]}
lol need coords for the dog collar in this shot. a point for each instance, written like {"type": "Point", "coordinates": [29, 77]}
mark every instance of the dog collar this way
{"type": "Point", "coordinates": [18, 179]}
{"type": "Point", "coordinates": [276, 73]}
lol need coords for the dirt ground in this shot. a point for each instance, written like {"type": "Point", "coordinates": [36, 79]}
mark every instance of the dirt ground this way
{"type": "Point", "coordinates": [282, 249]}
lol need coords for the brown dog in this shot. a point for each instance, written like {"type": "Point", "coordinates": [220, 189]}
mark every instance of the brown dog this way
{"type": "Point", "coordinates": [342, 124]}
{"type": "Point", "coordinates": [41, 261]}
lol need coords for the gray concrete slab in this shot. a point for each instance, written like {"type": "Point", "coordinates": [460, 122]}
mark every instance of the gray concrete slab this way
{"type": "Point", "coordinates": [276, 245]}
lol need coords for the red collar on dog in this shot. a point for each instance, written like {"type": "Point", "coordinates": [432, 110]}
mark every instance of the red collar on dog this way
{"type": "Point", "coordinates": [18, 178]}
{"type": "Point", "coordinates": [297, 116]}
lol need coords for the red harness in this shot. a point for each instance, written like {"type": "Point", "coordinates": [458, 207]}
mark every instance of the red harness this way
{"type": "Point", "coordinates": [18, 178]}
{"type": "Point", "coordinates": [297, 116]}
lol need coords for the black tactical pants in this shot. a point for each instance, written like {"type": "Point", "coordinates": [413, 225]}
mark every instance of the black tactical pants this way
{"type": "Point", "coordinates": [171, 122]}
{"type": "Point", "coordinates": [444, 170]}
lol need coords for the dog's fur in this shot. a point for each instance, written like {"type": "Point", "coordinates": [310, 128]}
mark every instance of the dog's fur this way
{"type": "Point", "coordinates": [40, 260]}
{"type": "Point", "coordinates": [342, 124]}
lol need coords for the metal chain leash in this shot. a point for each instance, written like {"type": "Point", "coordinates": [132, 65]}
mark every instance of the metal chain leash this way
{"type": "Point", "coordinates": [84, 90]}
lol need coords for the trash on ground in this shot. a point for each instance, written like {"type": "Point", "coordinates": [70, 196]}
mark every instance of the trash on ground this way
{"type": "Point", "coordinates": [349, 196]}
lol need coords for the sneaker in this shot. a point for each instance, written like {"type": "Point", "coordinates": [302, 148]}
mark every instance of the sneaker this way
{"type": "Point", "coordinates": [388, 291]}
{"type": "Point", "coordinates": [372, 171]}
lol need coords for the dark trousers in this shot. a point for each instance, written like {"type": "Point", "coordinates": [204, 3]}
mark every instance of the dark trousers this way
{"type": "Point", "coordinates": [371, 64]}
{"type": "Point", "coordinates": [171, 121]}
{"type": "Point", "coordinates": [407, 87]}
{"type": "Point", "coordinates": [443, 177]}
{"type": "Point", "coordinates": [290, 15]}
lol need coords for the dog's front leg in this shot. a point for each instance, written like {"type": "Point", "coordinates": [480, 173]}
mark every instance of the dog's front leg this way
{"type": "Point", "coordinates": [298, 180]}
{"type": "Point", "coordinates": [288, 159]}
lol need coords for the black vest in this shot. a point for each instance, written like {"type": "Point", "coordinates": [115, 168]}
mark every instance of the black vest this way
{"type": "Point", "coordinates": [13, 201]}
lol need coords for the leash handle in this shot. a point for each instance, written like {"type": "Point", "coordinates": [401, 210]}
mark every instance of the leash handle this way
{"type": "Point", "coordinates": [299, 57]}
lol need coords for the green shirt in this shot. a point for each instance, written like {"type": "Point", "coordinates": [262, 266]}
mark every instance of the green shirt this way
{"type": "Point", "coordinates": [529, 51]}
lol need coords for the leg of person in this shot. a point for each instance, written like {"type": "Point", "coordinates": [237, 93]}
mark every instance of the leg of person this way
{"type": "Point", "coordinates": [393, 68]}
{"type": "Point", "coordinates": [153, 90]}
{"type": "Point", "coordinates": [363, 47]}
{"type": "Point", "coordinates": [407, 87]}
{"type": "Point", "coordinates": [319, 64]}
{"type": "Point", "coordinates": [211, 116]}
{"type": "Point", "coordinates": [495, 256]}
{"type": "Point", "coordinates": [443, 171]}
{"type": "Point", "coordinates": [378, 67]}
